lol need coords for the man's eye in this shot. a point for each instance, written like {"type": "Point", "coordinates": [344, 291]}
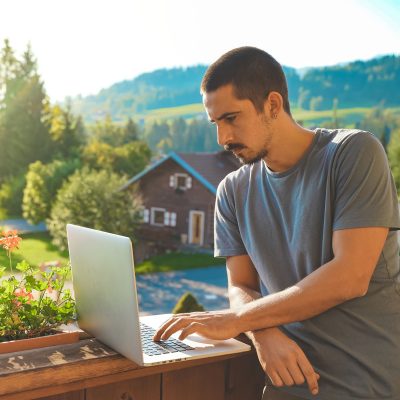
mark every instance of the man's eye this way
{"type": "Point", "coordinates": [231, 118]}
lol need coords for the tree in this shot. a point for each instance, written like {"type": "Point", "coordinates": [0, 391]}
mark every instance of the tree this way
{"type": "Point", "coordinates": [8, 68]}
{"type": "Point", "coordinates": [380, 122]}
{"type": "Point", "coordinates": [106, 131]}
{"type": "Point", "coordinates": [42, 183]}
{"type": "Point", "coordinates": [155, 133]}
{"type": "Point", "coordinates": [66, 130]}
{"type": "Point", "coordinates": [335, 118]}
{"type": "Point", "coordinates": [11, 192]}
{"type": "Point", "coordinates": [177, 132]}
{"type": "Point", "coordinates": [131, 132]}
{"type": "Point", "coordinates": [394, 157]}
{"type": "Point", "coordinates": [24, 137]}
{"type": "Point", "coordinates": [303, 98]}
{"type": "Point", "coordinates": [128, 159]}
{"type": "Point", "coordinates": [94, 199]}
{"type": "Point", "coordinates": [316, 103]}
{"type": "Point", "coordinates": [113, 134]}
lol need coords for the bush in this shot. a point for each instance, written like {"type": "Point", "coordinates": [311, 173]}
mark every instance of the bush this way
{"type": "Point", "coordinates": [129, 159]}
{"type": "Point", "coordinates": [394, 158]}
{"type": "Point", "coordinates": [187, 303]}
{"type": "Point", "coordinates": [42, 183]}
{"type": "Point", "coordinates": [11, 192]}
{"type": "Point", "coordinates": [93, 199]}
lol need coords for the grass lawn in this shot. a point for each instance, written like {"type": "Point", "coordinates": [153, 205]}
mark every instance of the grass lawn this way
{"type": "Point", "coordinates": [347, 116]}
{"type": "Point", "coordinates": [177, 261]}
{"type": "Point", "coordinates": [35, 248]}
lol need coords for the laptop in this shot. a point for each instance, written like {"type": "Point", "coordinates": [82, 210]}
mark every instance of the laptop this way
{"type": "Point", "coordinates": [103, 279]}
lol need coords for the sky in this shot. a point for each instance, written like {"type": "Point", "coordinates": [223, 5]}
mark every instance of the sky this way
{"type": "Point", "coordinates": [83, 46]}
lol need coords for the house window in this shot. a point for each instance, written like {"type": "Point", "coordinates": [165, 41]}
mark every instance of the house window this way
{"type": "Point", "coordinates": [157, 216]}
{"type": "Point", "coordinates": [161, 217]}
{"type": "Point", "coordinates": [180, 181]}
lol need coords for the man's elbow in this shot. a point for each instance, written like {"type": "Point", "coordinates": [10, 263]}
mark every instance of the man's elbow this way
{"type": "Point", "coordinates": [359, 288]}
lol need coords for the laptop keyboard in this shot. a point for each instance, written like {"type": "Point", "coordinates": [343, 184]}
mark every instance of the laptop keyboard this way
{"type": "Point", "coordinates": [152, 348]}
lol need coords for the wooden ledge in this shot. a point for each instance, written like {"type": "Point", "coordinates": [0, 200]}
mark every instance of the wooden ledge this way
{"type": "Point", "coordinates": [88, 363]}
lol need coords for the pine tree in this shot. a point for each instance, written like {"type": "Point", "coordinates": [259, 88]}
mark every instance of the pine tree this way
{"type": "Point", "coordinates": [24, 137]}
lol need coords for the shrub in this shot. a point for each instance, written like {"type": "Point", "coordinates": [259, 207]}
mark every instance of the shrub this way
{"type": "Point", "coordinates": [187, 303]}
{"type": "Point", "coordinates": [42, 183]}
{"type": "Point", "coordinates": [11, 192]}
{"type": "Point", "coordinates": [93, 199]}
{"type": "Point", "coordinates": [35, 302]}
{"type": "Point", "coordinates": [129, 159]}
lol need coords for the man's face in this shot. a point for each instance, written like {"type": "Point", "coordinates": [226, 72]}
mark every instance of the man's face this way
{"type": "Point", "coordinates": [240, 128]}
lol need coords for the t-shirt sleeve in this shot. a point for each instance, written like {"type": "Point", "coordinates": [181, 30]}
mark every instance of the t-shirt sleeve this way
{"type": "Point", "coordinates": [365, 193]}
{"type": "Point", "coordinates": [227, 238]}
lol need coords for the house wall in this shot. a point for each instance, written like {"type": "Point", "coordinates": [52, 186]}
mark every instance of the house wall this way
{"type": "Point", "coordinates": [156, 192]}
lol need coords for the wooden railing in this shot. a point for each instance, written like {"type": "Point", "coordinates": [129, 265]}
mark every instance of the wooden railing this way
{"type": "Point", "coordinates": [89, 370]}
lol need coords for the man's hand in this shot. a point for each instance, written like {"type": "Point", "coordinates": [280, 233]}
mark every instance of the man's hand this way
{"type": "Point", "coordinates": [283, 360]}
{"type": "Point", "coordinates": [215, 325]}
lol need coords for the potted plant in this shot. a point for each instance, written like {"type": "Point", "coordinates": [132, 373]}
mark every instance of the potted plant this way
{"type": "Point", "coordinates": [33, 303]}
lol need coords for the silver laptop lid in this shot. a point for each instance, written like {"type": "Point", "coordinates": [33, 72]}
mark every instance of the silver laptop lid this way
{"type": "Point", "coordinates": [105, 288]}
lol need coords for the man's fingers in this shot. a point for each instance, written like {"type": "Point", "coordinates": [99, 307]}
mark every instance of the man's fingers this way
{"type": "Point", "coordinates": [162, 328]}
{"type": "Point", "coordinates": [309, 373]}
{"type": "Point", "coordinates": [296, 373]}
{"type": "Point", "coordinates": [164, 331]}
{"type": "Point", "coordinates": [275, 378]}
{"type": "Point", "coordinates": [192, 328]}
{"type": "Point", "coordinates": [174, 327]}
{"type": "Point", "coordinates": [285, 376]}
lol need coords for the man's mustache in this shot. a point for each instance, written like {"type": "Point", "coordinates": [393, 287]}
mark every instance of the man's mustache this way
{"type": "Point", "coordinates": [233, 146]}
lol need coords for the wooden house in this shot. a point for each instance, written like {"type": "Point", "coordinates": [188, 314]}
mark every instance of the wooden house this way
{"type": "Point", "coordinates": [178, 194]}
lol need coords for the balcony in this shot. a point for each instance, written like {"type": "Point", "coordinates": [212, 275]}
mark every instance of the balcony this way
{"type": "Point", "coordinates": [89, 370]}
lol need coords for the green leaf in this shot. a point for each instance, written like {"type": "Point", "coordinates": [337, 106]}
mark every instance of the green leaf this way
{"type": "Point", "coordinates": [23, 266]}
{"type": "Point", "coordinates": [31, 281]}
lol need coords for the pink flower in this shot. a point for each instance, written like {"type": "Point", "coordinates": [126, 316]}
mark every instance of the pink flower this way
{"type": "Point", "coordinates": [10, 240]}
{"type": "Point", "coordinates": [21, 292]}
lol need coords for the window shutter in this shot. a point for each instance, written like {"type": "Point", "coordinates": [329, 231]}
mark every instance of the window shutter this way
{"type": "Point", "coordinates": [146, 215]}
{"type": "Point", "coordinates": [172, 181]}
{"type": "Point", "coordinates": [188, 182]}
{"type": "Point", "coordinates": [173, 219]}
{"type": "Point", "coordinates": [166, 218]}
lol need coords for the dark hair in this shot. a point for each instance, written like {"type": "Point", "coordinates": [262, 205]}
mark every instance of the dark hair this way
{"type": "Point", "coordinates": [253, 74]}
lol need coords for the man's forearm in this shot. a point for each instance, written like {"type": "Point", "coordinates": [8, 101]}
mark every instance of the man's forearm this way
{"type": "Point", "coordinates": [241, 295]}
{"type": "Point", "coordinates": [318, 292]}
{"type": "Point", "coordinates": [238, 297]}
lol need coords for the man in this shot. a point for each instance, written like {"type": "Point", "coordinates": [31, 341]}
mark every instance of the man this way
{"type": "Point", "coordinates": [308, 228]}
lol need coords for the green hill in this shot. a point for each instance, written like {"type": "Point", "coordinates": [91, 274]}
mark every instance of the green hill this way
{"type": "Point", "coordinates": [167, 93]}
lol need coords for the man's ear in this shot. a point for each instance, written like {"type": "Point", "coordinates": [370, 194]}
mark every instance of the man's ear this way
{"type": "Point", "coordinates": [273, 105]}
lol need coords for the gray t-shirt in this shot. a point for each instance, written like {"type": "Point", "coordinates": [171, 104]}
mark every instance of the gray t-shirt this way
{"type": "Point", "coordinates": [285, 222]}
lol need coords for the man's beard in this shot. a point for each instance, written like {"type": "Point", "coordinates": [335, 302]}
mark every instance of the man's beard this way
{"type": "Point", "coordinates": [262, 154]}
{"type": "Point", "coordinates": [244, 160]}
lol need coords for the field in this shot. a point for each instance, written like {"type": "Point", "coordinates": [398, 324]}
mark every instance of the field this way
{"type": "Point", "coordinates": [347, 116]}
{"type": "Point", "coordinates": [37, 248]}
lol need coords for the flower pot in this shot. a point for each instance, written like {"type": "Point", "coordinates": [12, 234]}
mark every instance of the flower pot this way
{"type": "Point", "coordinates": [38, 342]}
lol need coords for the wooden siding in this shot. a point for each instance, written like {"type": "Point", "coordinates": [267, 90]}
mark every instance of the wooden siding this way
{"type": "Point", "coordinates": [156, 192]}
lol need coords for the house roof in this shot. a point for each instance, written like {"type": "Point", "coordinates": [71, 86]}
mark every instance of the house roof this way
{"type": "Point", "coordinates": [208, 168]}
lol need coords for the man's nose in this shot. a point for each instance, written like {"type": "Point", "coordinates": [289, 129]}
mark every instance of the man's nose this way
{"type": "Point", "coordinates": [224, 135]}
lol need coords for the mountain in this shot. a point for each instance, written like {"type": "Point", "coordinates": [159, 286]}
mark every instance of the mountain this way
{"type": "Point", "coordinates": [356, 84]}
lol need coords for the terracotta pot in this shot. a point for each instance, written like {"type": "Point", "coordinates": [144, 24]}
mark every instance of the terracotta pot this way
{"type": "Point", "coordinates": [38, 342]}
